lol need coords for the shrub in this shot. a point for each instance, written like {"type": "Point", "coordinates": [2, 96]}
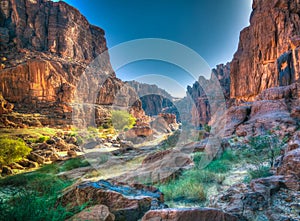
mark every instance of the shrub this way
{"type": "Point", "coordinates": [262, 148]}
{"type": "Point", "coordinates": [122, 119]}
{"type": "Point", "coordinates": [207, 128]}
{"type": "Point", "coordinates": [42, 139]}
{"type": "Point", "coordinates": [12, 150]}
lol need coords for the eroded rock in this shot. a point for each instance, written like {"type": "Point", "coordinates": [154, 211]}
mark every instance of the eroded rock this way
{"type": "Point", "coordinates": [199, 214]}
{"type": "Point", "coordinates": [126, 202]}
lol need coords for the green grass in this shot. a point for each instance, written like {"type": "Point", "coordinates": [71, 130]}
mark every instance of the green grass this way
{"type": "Point", "coordinates": [73, 164]}
{"type": "Point", "coordinates": [38, 194]}
{"type": "Point", "coordinates": [259, 172]}
{"type": "Point", "coordinates": [36, 199]}
{"type": "Point", "coordinates": [183, 189]}
{"type": "Point", "coordinates": [193, 184]}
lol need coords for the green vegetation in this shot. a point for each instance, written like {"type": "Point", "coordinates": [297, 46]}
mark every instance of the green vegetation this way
{"type": "Point", "coordinates": [42, 139]}
{"type": "Point", "coordinates": [259, 153]}
{"type": "Point", "coordinates": [73, 164]}
{"type": "Point", "coordinates": [12, 150]}
{"type": "Point", "coordinates": [36, 198]}
{"type": "Point", "coordinates": [258, 172]}
{"type": "Point", "coordinates": [207, 128]}
{"type": "Point", "coordinates": [122, 120]}
{"type": "Point", "coordinates": [193, 184]}
{"type": "Point", "coordinates": [36, 194]}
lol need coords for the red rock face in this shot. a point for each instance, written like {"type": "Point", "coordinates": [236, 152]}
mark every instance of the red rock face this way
{"type": "Point", "coordinates": [45, 48]}
{"type": "Point", "coordinates": [268, 52]}
{"type": "Point", "coordinates": [55, 27]}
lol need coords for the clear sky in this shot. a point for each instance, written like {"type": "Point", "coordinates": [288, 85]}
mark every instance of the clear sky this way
{"type": "Point", "coordinates": [209, 27]}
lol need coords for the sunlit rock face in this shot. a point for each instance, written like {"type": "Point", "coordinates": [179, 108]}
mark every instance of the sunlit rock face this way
{"type": "Point", "coordinates": [49, 26]}
{"type": "Point", "coordinates": [45, 49]}
{"type": "Point", "coordinates": [268, 51]}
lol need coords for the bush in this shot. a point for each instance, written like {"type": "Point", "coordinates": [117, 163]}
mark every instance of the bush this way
{"type": "Point", "coordinates": [207, 128]}
{"type": "Point", "coordinates": [12, 150]}
{"type": "Point", "coordinates": [42, 139]}
{"type": "Point", "coordinates": [261, 149]}
{"type": "Point", "coordinates": [122, 119]}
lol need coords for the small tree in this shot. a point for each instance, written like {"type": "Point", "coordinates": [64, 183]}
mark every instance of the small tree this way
{"type": "Point", "coordinates": [12, 150]}
{"type": "Point", "coordinates": [122, 120]}
{"type": "Point", "coordinates": [266, 147]}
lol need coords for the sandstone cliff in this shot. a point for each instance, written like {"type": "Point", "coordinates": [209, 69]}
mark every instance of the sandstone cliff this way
{"type": "Point", "coordinates": [268, 51]}
{"type": "Point", "coordinates": [202, 104]}
{"type": "Point", "coordinates": [45, 49]}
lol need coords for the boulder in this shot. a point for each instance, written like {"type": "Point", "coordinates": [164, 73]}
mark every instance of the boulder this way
{"type": "Point", "coordinates": [268, 197]}
{"type": "Point", "coordinates": [72, 153]}
{"type": "Point", "coordinates": [28, 163]}
{"type": "Point", "coordinates": [6, 171]}
{"type": "Point", "coordinates": [199, 214]}
{"type": "Point", "coordinates": [290, 164]}
{"type": "Point", "coordinates": [94, 213]}
{"type": "Point", "coordinates": [36, 158]}
{"type": "Point", "coordinates": [126, 202]}
{"type": "Point", "coordinates": [139, 131]}
{"type": "Point", "coordinates": [160, 167]}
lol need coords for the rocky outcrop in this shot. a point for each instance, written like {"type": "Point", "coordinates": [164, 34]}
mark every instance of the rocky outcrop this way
{"type": "Point", "coordinates": [55, 27]}
{"type": "Point", "coordinates": [45, 50]}
{"type": "Point", "coordinates": [202, 214]}
{"type": "Point", "coordinates": [154, 99]}
{"type": "Point", "coordinates": [273, 108]}
{"type": "Point", "coordinates": [289, 163]}
{"type": "Point", "coordinates": [159, 167]}
{"type": "Point", "coordinates": [264, 199]}
{"type": "Point", "coordinates": [126, 202]}
{"type": "Point", "coordinates": [268, 51]}
{"type": "Point", "coordinates": [5, 107]}
{"type": "Point", "coordinates": [204, 97]}
{"type": "Point", "coordinates": [165, 123]}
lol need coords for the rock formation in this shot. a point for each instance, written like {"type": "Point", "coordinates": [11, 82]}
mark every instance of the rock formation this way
{"type": "Point", "coordinates": [202, 214]}
{"type": "Point", "coordinates": [126, 202]}
{"type": "Point", "coordinates": [154, 99]}
{"type": "Point", "coordinates": [268, 51]}
{"type": "Point", "coordinates": [274, 109]}
{"type": "Point", "coordinates": [45, 50]}
{"type": "Point", "coordinates": [203, 94]}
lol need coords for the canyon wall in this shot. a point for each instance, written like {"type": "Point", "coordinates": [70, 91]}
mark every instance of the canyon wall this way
{"type": "Point", "coordinates": [203, 96]}
{"type": "Point", "coordinates": [268, 51]}
{"type": "Point", "coordinates": [154, 99]}
{"type": "Point", "coordinates": [46, 52]}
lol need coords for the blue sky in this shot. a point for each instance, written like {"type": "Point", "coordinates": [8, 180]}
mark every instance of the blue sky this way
{"type": "Point", "coordinates": [209, 27]}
